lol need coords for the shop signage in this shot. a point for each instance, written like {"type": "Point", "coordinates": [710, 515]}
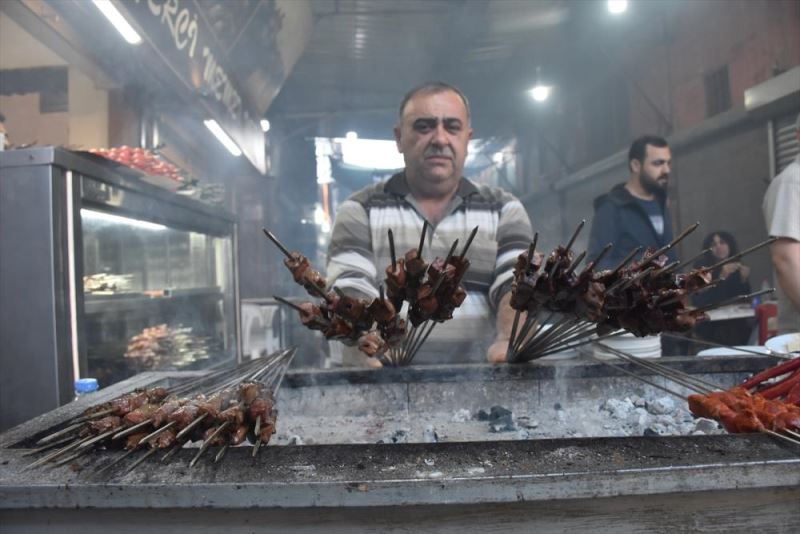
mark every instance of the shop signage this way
{"type": "Point", "coordinates": [180, 34]}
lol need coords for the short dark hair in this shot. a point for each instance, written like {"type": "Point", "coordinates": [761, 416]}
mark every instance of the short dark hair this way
{"type": "Point", "coordinates": [708, 258]}
{"type": "Point", "coordinates": [639, 147]}
{"type": "Point", "coordinates": [432, 88]}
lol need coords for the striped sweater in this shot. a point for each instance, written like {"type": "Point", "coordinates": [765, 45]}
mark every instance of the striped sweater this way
{"type": "Point", "coordinates": [359, 253]}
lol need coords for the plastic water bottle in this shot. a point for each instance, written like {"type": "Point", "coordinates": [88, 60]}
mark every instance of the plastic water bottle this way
{"type": "Point", "coordinates": [85, 386]}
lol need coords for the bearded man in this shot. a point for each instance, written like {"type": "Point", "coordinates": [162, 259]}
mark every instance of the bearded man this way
{"type": "Point", "coordinates": [635, 213]}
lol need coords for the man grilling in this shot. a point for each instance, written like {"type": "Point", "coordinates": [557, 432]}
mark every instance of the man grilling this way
{"type": "Point", "coordinates": [432, 133]}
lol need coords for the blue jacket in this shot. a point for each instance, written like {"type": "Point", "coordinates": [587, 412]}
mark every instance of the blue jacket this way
{"type": "Point", "coordinates": [620, 220]}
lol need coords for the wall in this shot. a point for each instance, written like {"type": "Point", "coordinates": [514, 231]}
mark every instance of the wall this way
{"type": "Point", "coordinates": [750, 36]}
{"type": "Point", "coordinates": [85, 125]}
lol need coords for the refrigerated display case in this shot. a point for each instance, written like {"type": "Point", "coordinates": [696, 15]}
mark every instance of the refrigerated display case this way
{"type": "Point", "coordinates": [104, 275]}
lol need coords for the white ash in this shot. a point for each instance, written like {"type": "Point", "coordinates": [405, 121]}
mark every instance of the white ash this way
{"type": "Point", "coordinates": [645, 415]}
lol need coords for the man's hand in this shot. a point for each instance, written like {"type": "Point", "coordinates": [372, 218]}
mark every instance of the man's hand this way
{"type": "Point", "coordinates": [497, 351]}
{"type": "Point", "coordinates": [505, 320]}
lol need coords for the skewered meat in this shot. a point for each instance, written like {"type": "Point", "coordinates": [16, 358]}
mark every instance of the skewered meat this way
{"type": "Point", "coordinates": [304, 275]}
{"type": "Point", "coordinates": [140, 414]}
{"type": "Point", "coordinates": [105, 424]}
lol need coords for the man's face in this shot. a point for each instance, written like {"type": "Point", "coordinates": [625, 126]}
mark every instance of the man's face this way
{"type": "Point", "coordinates": [654, 170]}
{"type": "Point", "coordinates": [432, 136]}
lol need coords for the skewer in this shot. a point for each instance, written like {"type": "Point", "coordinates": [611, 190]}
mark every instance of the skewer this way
{"type": "Point", "coordinates": [55, 454]}
{"type": "Point", "coordinates": [288, 303]}
{"type": "Point", "coordinates": [687, 381]}
{"type": "Point", "coordinates": [56, 435]}
{"type": "Point", "coordinates": [671, 244]}
{"type": "Point", "coordinates": [392, 251]}
{"type": "Point", "coordinates": [71, 457]}
{"type": "Point", "coordinates": [468, 243]}
{"type": "Point", "coordinates": [699, 290]}
{"type": "Point", "coordinates": [582, 343]}
{"type": "Point", "coordinates": [156, 433]}
{"type": "Point", "coordinates": [638, 377]}
{"type": "Point", "coordinates": [207, 443]}
{"type": "Point", "coordinates": [278, 244]}
{"type": "Point", "coordinates": [667, 268]}
{"type": "Point", "coordinates": [421, 341]}
{"type": "Point", "coordinates": [734, 300]}
{"type": "Point", "coordinates": [173, 451]}
{"type": "Point", "coordinates": [514, 326]}
{"type": "Point", "coordinates": [575, 235]}
{"type": "Point", "coordinates": [626, 283]}
{"type": "Point", "coordinates": [777, 435]}
{"type": "Point", "coordinates": [575, 263]}
{"type": "Point", "coordinates": [114, 462]}
{"type": "Point", "coordinates": [626, 259]}
{"type": "Point", "coordinates": [446, 261]}
{"type": "Point", "coordinates": [256, 446]}
{"type": "Point", "coordinates": [188, 428]}
{"type": "Point", "coordinates": [693, 259]}
{"type": "Point", "coordinates": [221, 453]}
{"type": "Point", "coordinates": [743, 253]}
{"type": "Point", "coordinates": [51, 445]}
{"type": "Point", "coordinates": [600, 256]}
{"type": "Point", "coordinates": [97, 438]}
{"type": "Point", "coordinates": [141, 459]}
{"type": "Point", "coordinates": [422, 237]}
{"type": "Point", "coordinates": [532, 252]}
{"type": "Point", "coordinates": [131, 429]}
{"type": "Point", "coordinates": [770, 352]}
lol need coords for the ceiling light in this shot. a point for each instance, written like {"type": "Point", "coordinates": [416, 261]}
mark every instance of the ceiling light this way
{"type": "Point", "coordinates": [222, 137]}
{"type": "Point", "coordinates": [351, 136]}
{"type": "Point", "coordinates": [108, 217]}
{"type": "Point", "coordinates": [617, 7]}
{"type": "Point", "coordinates": [115, 17]}
{"type": "Point", "coordinates": [265, 125]}
{"type": "Point", "coordinates": [540, 93]}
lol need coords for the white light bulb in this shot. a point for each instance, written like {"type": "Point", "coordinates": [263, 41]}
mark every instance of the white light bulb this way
{"type": "Point", "coordinates": [265, 125]}
{"type": "Point", "coordinates": [617, 7]}
{"type": "Point", "coordinates": [540, 93]}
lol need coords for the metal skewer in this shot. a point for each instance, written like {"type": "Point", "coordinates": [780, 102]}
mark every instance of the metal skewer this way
{"type": "Point", "coordinates": [422, 238]}
{"type": "Point", "coordinates": [207, 443]}
{"type": "Point", "coordinates": [55, 435]}
{"type": "Point", "coordinates": [743, 253]}
{"type": "Point", "coordinates": [156, 433]}
{"type": "Point", "coordinates": [468, 243]}
{"type": "Point", "coordinates": [650, 257]}
{"type": "Point", "coordinates": [278, 244]}
{"type": "Point", "coordinates": [188, 428]}
{"type": "Point", "coordinates": [392, 251]}
{"type": "Point", "coordinates": [141, 459]}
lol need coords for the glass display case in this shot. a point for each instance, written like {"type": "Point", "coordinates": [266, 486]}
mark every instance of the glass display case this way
{"type": "Point", "coordinates": [105, 275]}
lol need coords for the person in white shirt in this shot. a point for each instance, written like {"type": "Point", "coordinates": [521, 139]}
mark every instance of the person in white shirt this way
{"type": "Point", "coordinates": [782, 212]}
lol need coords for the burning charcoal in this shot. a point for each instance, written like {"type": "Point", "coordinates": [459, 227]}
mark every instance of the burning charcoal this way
{"type": "Point", "coordinates": [706, 426]}
{"type": "Point", "coordinates": [498, 412]}
{"type": "Point", "coordinates": [661, 406]}
{"type": "Point", "coordinates": [400, 436]}
{"type": "Point", "coordinates": [461, 416]}
{"type": "Point", "coordinates": [429, 435]}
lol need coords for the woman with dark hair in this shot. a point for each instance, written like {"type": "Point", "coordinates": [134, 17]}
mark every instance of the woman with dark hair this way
{"type": "Point", "coordinates": [733, 276]}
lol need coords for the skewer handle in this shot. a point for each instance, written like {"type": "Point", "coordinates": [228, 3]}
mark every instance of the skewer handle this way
{"type": "Point", "coordinates": [743, 253]}
{"type": "Point", "coordinates": [422, 238]}
{"type": "Point", "coordinates": [392, 251]}
{"type": "Point", "coordinates": [278, 244]}
{"type": "Point", "coordinates": [469, 242]}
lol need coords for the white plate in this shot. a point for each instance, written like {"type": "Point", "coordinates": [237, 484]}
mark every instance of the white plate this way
{"type": "Point", "coordinates": [724, 351]}
{"type": "Point", "coordinates": [785, 343]}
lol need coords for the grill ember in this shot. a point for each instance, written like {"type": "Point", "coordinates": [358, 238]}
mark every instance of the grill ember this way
{"type": "Point", "coordinates": [432, 290]}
